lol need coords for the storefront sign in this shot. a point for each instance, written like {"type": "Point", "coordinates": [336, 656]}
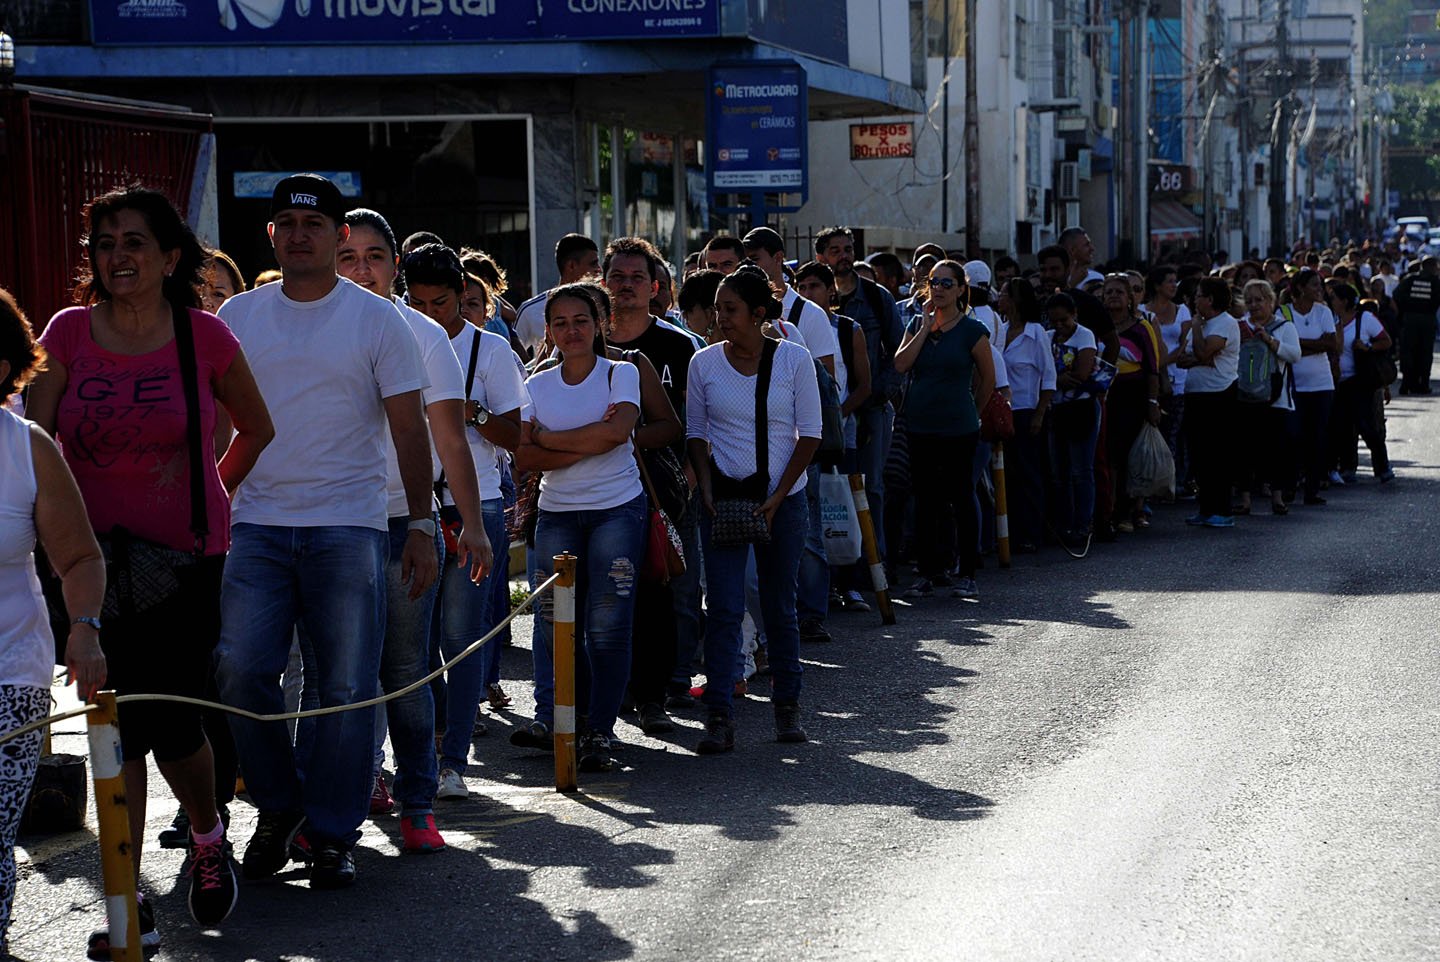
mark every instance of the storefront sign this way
{"type": "Point", "coordinates": [260, 184]}
{"type": "Point", "coordinates": [758, 135]}
{"type": "Point", "coordinates": [158, 22]}
{"type": "Point", "coordinates": [876, 141]}
{"type": "Point", "coordinates": [1171, 179]}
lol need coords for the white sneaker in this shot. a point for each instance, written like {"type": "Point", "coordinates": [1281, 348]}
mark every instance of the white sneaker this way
{"type": "Point", "coordinates": [965, 588]}
{"type": "Point", "coordinates": [452, 785]}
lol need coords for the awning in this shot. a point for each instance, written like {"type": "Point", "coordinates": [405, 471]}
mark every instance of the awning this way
{"type": "Point", "coordinates": [1170, 220]}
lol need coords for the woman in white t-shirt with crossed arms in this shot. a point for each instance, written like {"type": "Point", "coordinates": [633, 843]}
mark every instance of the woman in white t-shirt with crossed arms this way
{"type": "Point", "coordinates": [576, 428]}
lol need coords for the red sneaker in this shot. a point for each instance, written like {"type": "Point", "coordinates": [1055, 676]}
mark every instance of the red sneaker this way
{"type": "Point", "coordinates": [420, 834]}
{"type": "Point", "coordinates": [380, 801]}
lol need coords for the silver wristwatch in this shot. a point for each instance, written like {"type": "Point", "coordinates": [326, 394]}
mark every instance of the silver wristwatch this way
{"type": "Point", "coordinates": [481, 416]}
{"type": "Point", "coordinates": [425, 526]}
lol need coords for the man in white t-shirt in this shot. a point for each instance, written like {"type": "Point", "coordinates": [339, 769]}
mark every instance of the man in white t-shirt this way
{"type": "Point", "coordinates": [764, 246]}
{"type": "Point", "coordinates": [336, 365]}
{"type": "Point", "coordinates": [494, 395]}
{"type": "Point", "coordinates": [368, 258]}
{"type": "Point", "coordinates": [576, 258]}
{"type": "Point", "coordinates": [808, 325]}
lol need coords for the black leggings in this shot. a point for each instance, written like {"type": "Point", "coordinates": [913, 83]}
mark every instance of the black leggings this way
{"type": "Point", "coordinates": [940, 471]}
{"type": "Point", "coordinates": [1210, 429]}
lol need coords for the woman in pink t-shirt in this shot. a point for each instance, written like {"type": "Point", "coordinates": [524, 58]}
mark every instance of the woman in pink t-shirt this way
{"type": "Point", "coordinates": [113, 396]}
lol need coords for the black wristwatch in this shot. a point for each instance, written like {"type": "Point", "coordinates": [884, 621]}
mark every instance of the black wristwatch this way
{"type": "Point", "coordinates": [481, 416]}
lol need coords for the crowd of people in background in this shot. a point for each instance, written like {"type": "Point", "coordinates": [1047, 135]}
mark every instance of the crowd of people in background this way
{"type": "Point", "coordinates": [305, 491]}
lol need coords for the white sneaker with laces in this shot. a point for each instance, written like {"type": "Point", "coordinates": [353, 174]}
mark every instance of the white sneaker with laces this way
{"type": "Point", "coordinates": [452, 785]}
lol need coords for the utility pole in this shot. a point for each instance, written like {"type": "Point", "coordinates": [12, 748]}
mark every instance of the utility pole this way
{"type": "Point", "coordinates": [1142, 131]}
{"type": "Point", "coordinates": [1124, 173]}
{"type": "Point", "coordinates": [945, 122]}
{"type": "Point", "coordinates": [1280, 140]}
{"type": "Point", "coordinates": [1212, 65]}
{"type": "Point", "coordinates": [972, 137]}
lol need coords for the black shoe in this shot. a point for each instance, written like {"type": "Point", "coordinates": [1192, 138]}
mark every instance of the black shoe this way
{"type": "Point", "coordinates": [535, 735]}
{"type": "Point", "coordinates": [787, 724]}
{"type": "Point", "coordinates": [333, 867]}
{"type": "Point", "coordinates": [268, 850]}
{"type": "Point", "coordinates": [813, 629]}
{"type": "Point", "coordinates": [595, 754]}
{"type": "Point", "coordinates": [1314, 499]}
{"type": "Point", "coordinates": [719, 736]}
{"type": "Point", "coordinates": [98, 947]}
{"type": "Point", "coordinates": [654, 721]}
{"type": "Point", "coordinates": [213, 889]}
{"type": "Point", "coordinates": [178, 834]}
{"type": "Point", "coordinates": [679, 702]}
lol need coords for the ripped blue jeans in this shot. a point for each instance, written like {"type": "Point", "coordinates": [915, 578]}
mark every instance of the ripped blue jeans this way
{"type": "Point", "coordinates": [611, 547]}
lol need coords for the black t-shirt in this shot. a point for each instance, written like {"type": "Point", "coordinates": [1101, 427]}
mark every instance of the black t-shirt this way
{"type": "Point", "coordinates": [1418, 296]}
{"type": "Point", "coordinates": [670, 352]}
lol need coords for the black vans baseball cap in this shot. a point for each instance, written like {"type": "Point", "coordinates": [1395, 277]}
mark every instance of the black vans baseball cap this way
{"type": "Point", "coordinates": [308, 192]}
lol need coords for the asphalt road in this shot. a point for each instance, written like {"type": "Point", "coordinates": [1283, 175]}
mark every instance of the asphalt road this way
{"type": "Point", "coordinates": [1196, 745]}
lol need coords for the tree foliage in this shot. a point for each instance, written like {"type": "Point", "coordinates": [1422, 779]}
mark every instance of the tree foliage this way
{"type": "Point", "coordinates": [1416, 123]}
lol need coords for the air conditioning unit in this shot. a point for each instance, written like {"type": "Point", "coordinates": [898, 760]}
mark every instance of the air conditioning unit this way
{"type": "Point", "coordinates": [1069, 180]}
{"type": "Point", "coordinates": [1072, 214]}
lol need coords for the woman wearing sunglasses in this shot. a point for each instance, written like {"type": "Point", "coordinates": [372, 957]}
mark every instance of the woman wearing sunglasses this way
{"type": "Point", "coordinates": [943, 349]}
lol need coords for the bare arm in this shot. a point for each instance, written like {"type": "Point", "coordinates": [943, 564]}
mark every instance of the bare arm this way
{"type": "Point", "coordinates": [418, 564]}
{"type": "Point", "coordinates": [240, 396]}
{"type": "Point", "coordinates": [1323, 344]}
{"type": "Point", "coordinates": [662, 424]}
{"type": "Point", "coordinates": [595, 438]}
{"type": "Point", "coordinates": [64, 532]}
{"type": "Point", "coordinates": [861, 393]}
{"type": "Point", "coordinates": [985, 367]}
{"type": "Point", "coordinates": [911, 345]}
{"type": "Point", "coordinates": [500, 429]}
{"type": "Point", "coordinates": [43, 401]}
{"type": "Point", "coordinates": [448, 432]}
{"type": "Point", "coordinates": [530, 456]}
{"type": "Point", "coordinates": [1209, 349]}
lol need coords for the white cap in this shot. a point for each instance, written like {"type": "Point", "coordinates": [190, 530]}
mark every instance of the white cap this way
{"type": "Point", "coordinates": [977, 273]}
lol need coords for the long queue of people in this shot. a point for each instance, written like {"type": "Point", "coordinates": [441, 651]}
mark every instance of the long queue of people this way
{"type": "Point", "coordinates": [305, 493]}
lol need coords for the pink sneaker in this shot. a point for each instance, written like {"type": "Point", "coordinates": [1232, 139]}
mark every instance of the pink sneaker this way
{"type": "Point", "coordinates": [380, 801]}
{"type": "Point", "coordinates": [420, 834]}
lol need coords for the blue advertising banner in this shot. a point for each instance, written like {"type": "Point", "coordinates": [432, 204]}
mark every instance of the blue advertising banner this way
{"type": "Point", "coordinates": [757, 132]}
{"type": "Point", "coordinates": [235, 22]}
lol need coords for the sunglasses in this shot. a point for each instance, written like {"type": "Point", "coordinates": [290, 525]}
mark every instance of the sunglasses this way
{"type": "Point", "coordinates": [944, 283]}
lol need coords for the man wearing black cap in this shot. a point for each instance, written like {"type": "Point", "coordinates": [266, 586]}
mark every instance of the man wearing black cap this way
{"type": "Point", "coordinates": [309, 538]}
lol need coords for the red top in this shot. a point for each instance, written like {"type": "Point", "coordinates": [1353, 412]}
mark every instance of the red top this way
{"type": "Point", "coordinates": [121, 425]}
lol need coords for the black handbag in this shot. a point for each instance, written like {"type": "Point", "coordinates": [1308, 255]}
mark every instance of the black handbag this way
{"type": "Point", "coordinates": [737, 520]}
{"type": "Point", "coordinates": [141, 574]}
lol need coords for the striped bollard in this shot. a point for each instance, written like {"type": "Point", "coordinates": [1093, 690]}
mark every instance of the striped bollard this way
{"type": "Point", "coordinates": [1002, 517]}
{"type": "Point", "coordinates": [112, 812]}
{"type": "Point", "coordinates": [562, 633]}
{"type": "Point", "coordinates": [871, 548]}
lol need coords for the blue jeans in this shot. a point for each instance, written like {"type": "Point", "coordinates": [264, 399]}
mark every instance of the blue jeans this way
{"type": "Point", "coordinates": [778, 564]}
{"type": "Point", "coordinates": [686, 592]}
{"type": "Point", "coordinates": [813, 595]}
{"type": "Point", "coordinates": [610, 545]}
{"type": "Point", "coordinates": [331, 582]}
{"type": "Point", "coordinates": [404, 660]}
{"type": "Point", "coordinates": [1074, 433]}
{"type": "Point", "coordinates": [464, 613]}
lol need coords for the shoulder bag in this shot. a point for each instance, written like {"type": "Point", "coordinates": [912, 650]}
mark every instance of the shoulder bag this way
{"type": "Point", "coordinates": [737, 520]}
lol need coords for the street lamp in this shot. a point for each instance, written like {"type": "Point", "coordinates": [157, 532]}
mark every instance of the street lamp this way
{"type": "Point", "coordinates": [7, 59]}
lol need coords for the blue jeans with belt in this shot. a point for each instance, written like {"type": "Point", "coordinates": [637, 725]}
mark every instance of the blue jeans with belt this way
{"type": "Point", "coordinates": [610, 546]}
{"type": "Point", "coordinates": [778, 565]}
{"type": "Point", "coordinates": [331, 581]}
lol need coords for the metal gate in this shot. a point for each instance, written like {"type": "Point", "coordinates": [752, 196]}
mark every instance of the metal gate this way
{"type": "Point", "coordinates": [59, 150]}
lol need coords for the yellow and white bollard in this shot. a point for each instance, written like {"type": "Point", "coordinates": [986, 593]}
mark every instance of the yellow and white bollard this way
{"type": "Point", "coordinates": [1002, 508]}
{"type": "Point", "coordinates": [112, 812]}
{"type": "Point", "coordinates": [871, 548]}
{"type": "Point", "coordinates": [562, 634]}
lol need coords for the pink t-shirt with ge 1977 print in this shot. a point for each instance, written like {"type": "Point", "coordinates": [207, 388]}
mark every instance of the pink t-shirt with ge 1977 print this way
{"type": "Point", "coordinates": [122, 423]}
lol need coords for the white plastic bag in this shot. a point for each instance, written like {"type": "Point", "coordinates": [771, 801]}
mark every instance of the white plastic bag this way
{"type": "Point", "coordinates": [839, 525]}
{"type": "Point", "coordinates": [1152, 467]}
